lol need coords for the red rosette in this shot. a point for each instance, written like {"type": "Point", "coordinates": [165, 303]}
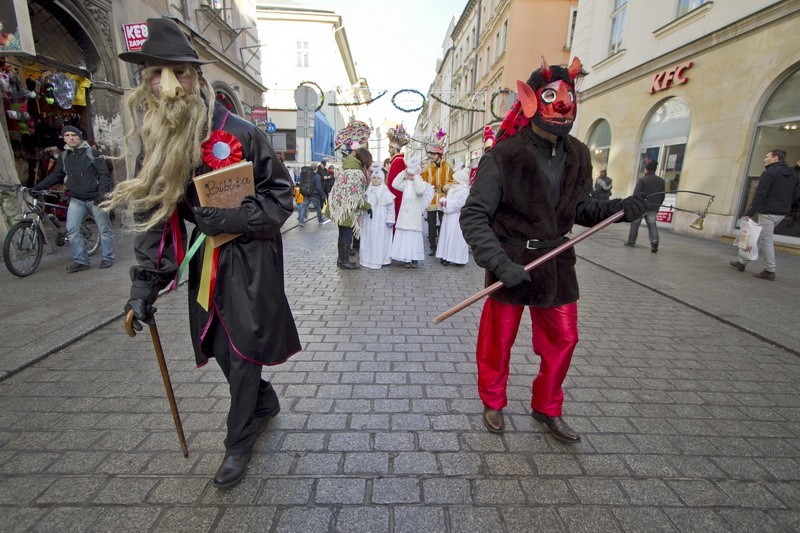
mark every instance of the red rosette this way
{"type": "Point", "coordinates": [221, 149]}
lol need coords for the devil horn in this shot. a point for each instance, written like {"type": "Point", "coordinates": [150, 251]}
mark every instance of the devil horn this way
{"type": "Point", "coordinates": [574, 68]}
{"type": "Point", "coordinates": [546, 72]}
{"type": "Point", "coordinates": [527, 99]}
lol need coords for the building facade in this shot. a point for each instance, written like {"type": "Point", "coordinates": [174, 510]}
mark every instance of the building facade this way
{"type": "Point", "coordinates": [704, 88]}
{"type": "Point", "coordinates": [494, 43]}
{"type": "Point", "coordinates": [308, 47]}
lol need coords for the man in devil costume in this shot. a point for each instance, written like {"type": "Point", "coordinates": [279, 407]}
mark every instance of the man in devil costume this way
{"type": "Point", "coordinates": [531, 188]}
{"type": "Point", "coordinates": [238, 312]}
{"type": "Point", "coordinates": [398, 138]}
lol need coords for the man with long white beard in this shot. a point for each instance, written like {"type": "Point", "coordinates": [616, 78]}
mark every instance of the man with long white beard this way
{"type": "Point", "coordinates": [244, 320]}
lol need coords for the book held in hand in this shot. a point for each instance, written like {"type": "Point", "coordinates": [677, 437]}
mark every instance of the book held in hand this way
{"type": "Point", "coordinates": [225, 188]}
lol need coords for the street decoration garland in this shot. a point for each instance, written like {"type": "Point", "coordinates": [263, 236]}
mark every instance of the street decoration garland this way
{"type": "Point", "coordinates": [319, 90]}
{"type": "Point", "coordinates": [397, 106]}
{"type": "Point", "coordinates": [454, 106]}
{"type": "Point", "coordinates": [343, 104]}
{"type": "Point", "coordinates": [491, 102]}
{"type": "Point", "coordinates": [408, 110]}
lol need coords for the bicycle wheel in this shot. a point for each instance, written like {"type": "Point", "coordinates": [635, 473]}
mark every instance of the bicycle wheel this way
{"type": "Point", "coordinates": [23, 247]}
{"type": "Point", "coordinates": [92, 236]}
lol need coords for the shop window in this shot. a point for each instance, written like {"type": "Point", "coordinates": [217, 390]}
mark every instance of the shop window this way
{"type": "Point", "coordinates": [664, 140]}
{"type": "Point", "coordinates": [226, 100]}
{"type": "Point", "coordinates": [684, 6]}
{"type": "Point", "coordinates": [778, 128]}
{"type": "Point", "coordinates": [599, 145]}
{"type": "Point", "coordinates": [618, 17]}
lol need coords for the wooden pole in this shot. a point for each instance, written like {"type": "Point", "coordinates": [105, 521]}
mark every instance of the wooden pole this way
{"type": "Point", "coordinates": [530, 266]}
{"type": "Point", "coordinates": [162, 365]}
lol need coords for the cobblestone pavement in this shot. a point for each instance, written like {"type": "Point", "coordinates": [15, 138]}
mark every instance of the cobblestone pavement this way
{"type": "Point", "coordinates": [688, 423]}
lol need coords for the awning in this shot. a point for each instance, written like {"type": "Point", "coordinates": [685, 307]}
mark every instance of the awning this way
{"type": "Point", "coordinates": [322, 143]}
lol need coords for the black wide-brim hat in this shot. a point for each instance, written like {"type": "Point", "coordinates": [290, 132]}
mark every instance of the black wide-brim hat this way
{"type": "Point", "coordinates": [166, 44]}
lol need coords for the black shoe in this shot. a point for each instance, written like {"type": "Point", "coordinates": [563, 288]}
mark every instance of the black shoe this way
{"type": "Point", "coordinates": [414, 264]}
{"type": "Point", "coordinates": [232, 470]}
{"type": "Point", "coordinates": [765, 274]}
{"type": "Point", "coordinates": [432, 252]}
{"type": "Point", "coordinates": [347, 265]}
{"type": "Point", "coordinates": [77, 267]}
{"type": "Point", "coordinates": [654, 248]}
{"type": "Point", "coordinates": [737, 265]}
{"type": "Point", "coordinates": [445, 262]}
{"type": "Point", "coordinates": [629, 243]}
{"type": "Point", "coordinates": [105, 263]}
{"type": "Point", "coordinates": [557, 426]}
{"type": "Point", "coordinates": [407, 265]}
{"type": "Point", "coordinates": [493, 420]}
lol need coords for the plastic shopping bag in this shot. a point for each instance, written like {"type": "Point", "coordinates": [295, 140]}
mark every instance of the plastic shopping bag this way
{"type": "Point", "coordinates": [747, 240]}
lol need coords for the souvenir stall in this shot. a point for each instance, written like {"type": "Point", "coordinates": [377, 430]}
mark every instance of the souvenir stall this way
{"type": "Point", "coordinates": [37, 102]}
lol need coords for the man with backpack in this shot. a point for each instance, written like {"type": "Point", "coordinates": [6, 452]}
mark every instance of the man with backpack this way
{"type": "Point", "coordinates": [84, 172]}
{"type": "Point", "coordinates": [311, 189]}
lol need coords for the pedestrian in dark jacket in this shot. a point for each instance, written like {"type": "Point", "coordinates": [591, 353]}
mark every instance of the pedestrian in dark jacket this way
{"type": "Point", "coordinates": [531, 188]}
{"type": "Point", "coordinates": [84, 172]}
{"type": "Point", "coordinates": [242, 319]}
{"type": "Point", "coordinates": [777, 190]}
{"type": "Point", "coordinates": [317, 198]}
{"type": "Point", "coordinates": [602, 187]}
{"type": "Point", "coordinates": [652, 187]}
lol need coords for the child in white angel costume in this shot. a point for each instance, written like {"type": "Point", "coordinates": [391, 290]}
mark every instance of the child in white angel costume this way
{"type": "Point", "coordinates": [376, 228]}
{"type": "Point", "coordinates": [452, 248]}
{"type": "Point", "coordinates": [408, 246]}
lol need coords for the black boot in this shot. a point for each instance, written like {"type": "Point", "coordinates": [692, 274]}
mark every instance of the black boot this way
{"type": "Point", "coordinates": [344, 257]}
{"type": "Point", "coordinates": [232, 470]}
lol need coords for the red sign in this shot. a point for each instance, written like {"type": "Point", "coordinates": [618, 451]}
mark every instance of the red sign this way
{"type": "Point", "coordinates": [135, 35]}
{"type": "Point", "coordinates": [664, 216]}
{"type": "Point", "coordinates": [259, 116]}
{"type": "Point", "coordinates": [672, 76]}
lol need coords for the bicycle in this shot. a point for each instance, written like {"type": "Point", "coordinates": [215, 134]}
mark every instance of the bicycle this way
{"type": "Point", "coordinates": [24, 244]}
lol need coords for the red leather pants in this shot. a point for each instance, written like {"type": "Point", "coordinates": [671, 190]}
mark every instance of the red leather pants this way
{"type": "Point", "coordinates": [555, 335]}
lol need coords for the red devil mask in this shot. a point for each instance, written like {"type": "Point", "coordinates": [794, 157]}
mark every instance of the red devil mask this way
{"type": "Point", "coordinates": [548, 98]}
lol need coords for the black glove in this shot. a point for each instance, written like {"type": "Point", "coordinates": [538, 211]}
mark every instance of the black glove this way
{"type": "Point", "coordinates": [369, 212]}
{"type": "Point", "coordinates": [512, 274]}
{"type": "Point", "coordinates": [142, 311]}
{"type": "Point", "coordinates": [214, 221]}
{"type": "Point", "coordinates": [634, 206]}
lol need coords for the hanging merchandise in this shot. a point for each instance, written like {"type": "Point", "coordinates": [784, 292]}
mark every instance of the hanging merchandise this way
{"type": "Point", "coordinates": [82, 86]}
{"type": "Point", "coordinates": [225, 100]}
{"type": "Point", "coordinates": [49, 93]}
{"type": "Point", "coordinates": [63, 89]}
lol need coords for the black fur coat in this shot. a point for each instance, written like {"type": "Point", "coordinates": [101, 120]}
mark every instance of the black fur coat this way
{"type": "Point", "coordinates": [509, 203]}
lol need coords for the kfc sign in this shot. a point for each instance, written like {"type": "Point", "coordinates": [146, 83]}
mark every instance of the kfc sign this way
{"type": "Point", "coordinates": [135, 35]}
{"type": "Point", "coordinates": [672, 76]}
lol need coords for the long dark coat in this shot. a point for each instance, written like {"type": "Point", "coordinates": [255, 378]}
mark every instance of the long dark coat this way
{"type": "Point", "coordinates": [508, 204]}
{"type": "Point", "coordinates": [249, 296]}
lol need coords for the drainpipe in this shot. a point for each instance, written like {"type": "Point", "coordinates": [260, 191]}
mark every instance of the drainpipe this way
{"type": "Point", "coordinates": [475, 60]}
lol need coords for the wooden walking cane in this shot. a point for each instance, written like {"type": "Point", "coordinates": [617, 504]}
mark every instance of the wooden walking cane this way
{"type": "Point", "coordinates": [162, 364]}
{"type": "Point", "coordinates": [530, 266]}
